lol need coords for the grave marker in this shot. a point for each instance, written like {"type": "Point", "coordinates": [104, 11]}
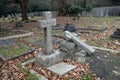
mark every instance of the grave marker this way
{"type": "Point", "coordinates": [49, 56]}
{"type": "Point", "coordinates": [46, 24]}
{"type": "Point", "coordinates": [79, 42]}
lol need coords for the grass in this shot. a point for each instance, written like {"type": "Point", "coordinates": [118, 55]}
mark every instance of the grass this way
{"type": "Point", "coordinates": [14, 50]}
{"type": "Point", "coordinates": [86, 77]}
{"type": "Point", "coordinates": [100, 42]}
{"type": "Point", "coordinates": [31, 77]}
{"type": "Point", "coordinates": [91, 21]}
{"type": "Point", "coordinates": [58, 32]}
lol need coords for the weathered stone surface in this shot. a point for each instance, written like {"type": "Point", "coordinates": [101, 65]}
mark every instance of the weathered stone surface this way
{"type": "Point", "coordinates": [7, 42]}
{"type": "Point", "coordinates": [81, 53]}
{"type": "Point", "coordinates": [17, 36]}
{"type": "Point", "coordinates": [69, 27]}
{"type": "Point", "coordinates": [81, 59]}
{"type": "Point", "coordinates": [79, 42]}
{"type": "Point", "coordinates": [61, 68]}
{"type": "Point", "coordinates": [48, 60]}
{"type": "Point", "coordinates": [46, 24]}
{"type": "Point", "coordinates": [69, 47]}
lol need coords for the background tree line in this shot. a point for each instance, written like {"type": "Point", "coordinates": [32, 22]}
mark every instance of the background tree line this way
{"type": "Point", "coordinates": [18, 6]}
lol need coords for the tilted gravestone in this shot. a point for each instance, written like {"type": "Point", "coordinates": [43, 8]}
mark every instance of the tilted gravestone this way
{"type": "Point", "coordinates": [79, 42]}
{"type": "Point", "coordinates": [49, 56]}
{"type": "Point", "coordinates": [73, 45]}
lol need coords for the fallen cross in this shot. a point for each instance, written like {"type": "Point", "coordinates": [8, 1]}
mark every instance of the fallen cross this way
{"type": "Point", "coordinates": [90, 50]}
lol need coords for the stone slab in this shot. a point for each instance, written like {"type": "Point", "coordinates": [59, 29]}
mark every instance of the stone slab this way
{"type": "Point", "coordinates": [17, 36]}
{"type": "Point", "coordinates": [6, 42]}
{"type": "Point", "coordinates": [61, 68]}
{"type": "Point", "coordinates": [30, 50]}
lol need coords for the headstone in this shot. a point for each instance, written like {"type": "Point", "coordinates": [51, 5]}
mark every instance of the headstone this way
{"type": "Point", "coordinates": [12, 16]}
{"type": "Point", "coordinates": [16, 16]}
{"type": "Point", "coordinates": [3, 17]}
{"type": "Point", "coordinates": [49, 56]}
{"type": "Point", "coordinates": [116, 34]}
{"type": "Point", "coordinates": [69, 27]}
{"type": "Point", "coordinates": [61, 68]}
{"type": "Point", "coordinates": [9, 17]}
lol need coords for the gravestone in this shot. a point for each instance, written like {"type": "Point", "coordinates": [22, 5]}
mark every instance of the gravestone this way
{"type": "Point", "coordinates": [69, 27]}
{"type": "Point", "coordinates": [79, 42]}
{"type": "Point", "coordinates": [49, 56]}
{"type": "Point", "coordinates": [9, 17]}
{"type": "Point", "coordinates": [116, 34]}
{"type": "Point", "coordinates": [46, 24]}
{"type": "Point", "coordinates": [73, 45]}
{"type": "Point", "coordinates": [3, 17]}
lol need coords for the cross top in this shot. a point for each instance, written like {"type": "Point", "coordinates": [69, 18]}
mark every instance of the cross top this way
{"type": "Point", "coordinates": [48, 15]}
{"type": "Point", "coordinates": [48, 21]}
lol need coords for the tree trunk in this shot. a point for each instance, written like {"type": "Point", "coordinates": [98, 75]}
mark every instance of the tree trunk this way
{"type": "Point", "coordinates": [62, 5]}
{"type": "Point", "coordinates": [23, 5]}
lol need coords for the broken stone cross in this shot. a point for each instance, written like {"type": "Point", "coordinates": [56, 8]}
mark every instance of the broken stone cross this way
{"type": "Point", "coordinates": [46, 24]}
{"type": "Point", "coordinates": [79, 42]}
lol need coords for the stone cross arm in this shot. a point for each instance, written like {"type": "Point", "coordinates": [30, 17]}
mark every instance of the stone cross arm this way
{"type": "Point", "coordinates": [47, 23]}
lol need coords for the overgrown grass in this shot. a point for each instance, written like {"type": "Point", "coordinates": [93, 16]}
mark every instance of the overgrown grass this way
{"type": "Point", "coordinates": [99, 21]}
{"type": "Point", "coordinates": [14, 50]}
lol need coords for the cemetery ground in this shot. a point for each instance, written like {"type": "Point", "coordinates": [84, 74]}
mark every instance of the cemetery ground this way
{"type": "Point", "coordinates": [95, 31]}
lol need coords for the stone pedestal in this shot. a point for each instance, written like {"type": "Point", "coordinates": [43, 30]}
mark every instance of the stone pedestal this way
{"type": "Point", "coordinates": [48, 60]}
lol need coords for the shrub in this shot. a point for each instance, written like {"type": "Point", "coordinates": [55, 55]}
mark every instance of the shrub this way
{"type": "Point", "coordinates": [74, 9]}
{"type": "Point", "coordinates": [88, 8]}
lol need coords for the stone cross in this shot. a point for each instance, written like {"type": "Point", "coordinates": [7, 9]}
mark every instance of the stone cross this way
{"type": "Point", "coordinates": [46, 24]}
{"type": "Point", "coordinates": [89, 49]}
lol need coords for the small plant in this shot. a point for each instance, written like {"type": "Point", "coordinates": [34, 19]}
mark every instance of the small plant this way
{"type": "Point", "coordinates": [31, 77]}
{"type": "Point", "coordinates": [86, 77]}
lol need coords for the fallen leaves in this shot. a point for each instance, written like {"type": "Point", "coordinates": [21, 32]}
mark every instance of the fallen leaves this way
{"type": "Point", "coordinates": [75, 74]}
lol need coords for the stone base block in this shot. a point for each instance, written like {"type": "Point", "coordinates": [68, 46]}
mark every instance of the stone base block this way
{"type": "Point", "coordinates": [48, 60]}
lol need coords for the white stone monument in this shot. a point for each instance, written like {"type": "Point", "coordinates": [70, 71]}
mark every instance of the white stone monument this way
{"type": "Point", "coordinates": [49, 56]}
{"type": "Point", "coordinates": [46, 24]}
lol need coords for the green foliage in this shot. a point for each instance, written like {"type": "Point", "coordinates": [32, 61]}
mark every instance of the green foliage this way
{"type": "Point", "coordinates": [31, 77]}
{"type": "Point", "coordinates": [75, 9]}
{"type": "Point", "coordinates": [88, 8]}
{"type": "Point", "coordinates": [86, 77]}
